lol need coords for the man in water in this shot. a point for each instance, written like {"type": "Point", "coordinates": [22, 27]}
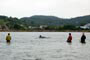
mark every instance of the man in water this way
{"type": "Point", "coordinates": [8, 38]}
{"type": "Point", "coordinates": [69, 38]}
{"type": "Point", "coordinates": [41, 36]}
{"type": "Point", "coordinates": [83, 37]}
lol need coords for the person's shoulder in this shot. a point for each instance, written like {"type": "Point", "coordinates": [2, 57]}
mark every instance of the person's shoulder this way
{"type": "Point", "coordinates": [9, 36]}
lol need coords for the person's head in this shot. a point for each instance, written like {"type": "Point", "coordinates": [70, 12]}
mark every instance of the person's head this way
{"type": "Point", "coordinates": [69, 33]}
{"type": "Point", "coordinates": [8, 33]}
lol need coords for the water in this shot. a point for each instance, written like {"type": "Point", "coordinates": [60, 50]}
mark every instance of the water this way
{"type": "Point", "coordinates": [27, 46]}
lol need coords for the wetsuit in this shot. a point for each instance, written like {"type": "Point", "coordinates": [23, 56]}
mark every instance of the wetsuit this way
{"type": "Point", "coordinates": [83, 39]}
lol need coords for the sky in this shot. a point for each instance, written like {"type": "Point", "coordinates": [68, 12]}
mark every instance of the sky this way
{"type": "Point", "coordinates": [59, 8]}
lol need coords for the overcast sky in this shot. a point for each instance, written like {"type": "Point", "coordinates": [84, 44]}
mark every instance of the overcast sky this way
{"type": "Point", "coordinates": [59, 8]}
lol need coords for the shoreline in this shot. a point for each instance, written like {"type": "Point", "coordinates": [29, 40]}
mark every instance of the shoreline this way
{"type": "Point", "coordinates": [44, 30]}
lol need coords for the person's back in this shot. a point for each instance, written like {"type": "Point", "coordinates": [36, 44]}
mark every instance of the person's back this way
{"type": "Point", "coordinates": [69, 38]}
{"type": "Point", "coordinates": [8, 37]}
{"type": "Point", "coordinates": [83, 38]}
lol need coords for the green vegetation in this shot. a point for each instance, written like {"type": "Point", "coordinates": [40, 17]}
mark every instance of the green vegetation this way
{"type": "Point", "coordinates": [50, 23]}
{"type": "Point", "coordinates": [65, 27]}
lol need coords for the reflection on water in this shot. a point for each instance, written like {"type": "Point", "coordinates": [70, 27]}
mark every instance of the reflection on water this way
{"type": "Point", "coordinates": [27, 46]}
{"type": "Point", "coordinates": [69, 43]}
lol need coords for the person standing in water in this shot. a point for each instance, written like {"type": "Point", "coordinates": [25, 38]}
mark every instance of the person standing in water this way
{"type": "Point", "coordinates": [8, 38]}
{"type": "Point", "coordinates": [69, 38]}
{"type": "Point", "coordinates": [83, 37]}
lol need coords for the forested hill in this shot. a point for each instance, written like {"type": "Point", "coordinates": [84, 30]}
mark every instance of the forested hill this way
{"type": "Point", "coordinates": [52, 20]}
{"type": "Point", "coordinates": [43, 20]}
{"type": "Point", "coordinates": [37, 20]}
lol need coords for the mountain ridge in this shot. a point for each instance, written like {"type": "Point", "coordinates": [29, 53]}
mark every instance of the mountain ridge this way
{"type": "Point", "coordinates": [52, 20]}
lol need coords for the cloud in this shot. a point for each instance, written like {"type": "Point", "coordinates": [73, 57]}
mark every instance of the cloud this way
{"type": "Point", "coordinates": [60, 8]}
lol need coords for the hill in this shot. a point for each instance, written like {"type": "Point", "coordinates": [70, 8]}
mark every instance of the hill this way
{"type": "Point", "coordinates": [13, 23]}
{"type": "Point", "coordinates": [52, 20]}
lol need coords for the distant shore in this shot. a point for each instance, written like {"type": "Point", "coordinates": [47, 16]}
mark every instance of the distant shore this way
{"type": "Point", "coordinates": [44, 30]}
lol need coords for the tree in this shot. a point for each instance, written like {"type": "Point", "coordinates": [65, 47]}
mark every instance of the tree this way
{"type": "Point", "coordinates": [69, 27]}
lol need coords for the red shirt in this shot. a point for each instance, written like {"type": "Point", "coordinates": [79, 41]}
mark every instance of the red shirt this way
{"type": "Point", "coordinates": [70, 38]}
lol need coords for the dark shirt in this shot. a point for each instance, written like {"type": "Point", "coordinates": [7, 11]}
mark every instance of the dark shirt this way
{"type": "Point", "coordinates": [83, 37]}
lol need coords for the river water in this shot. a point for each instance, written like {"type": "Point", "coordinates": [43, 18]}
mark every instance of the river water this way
{"type": "Point", "coordinates": [27, 46]}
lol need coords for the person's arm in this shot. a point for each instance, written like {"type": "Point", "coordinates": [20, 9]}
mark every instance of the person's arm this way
{"type": "Point", "coordinates": [10, 37]}
{"type": "Point", "coordinates": [85, 37]}
{"type": "Point", "coordinates": [68, 38]}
